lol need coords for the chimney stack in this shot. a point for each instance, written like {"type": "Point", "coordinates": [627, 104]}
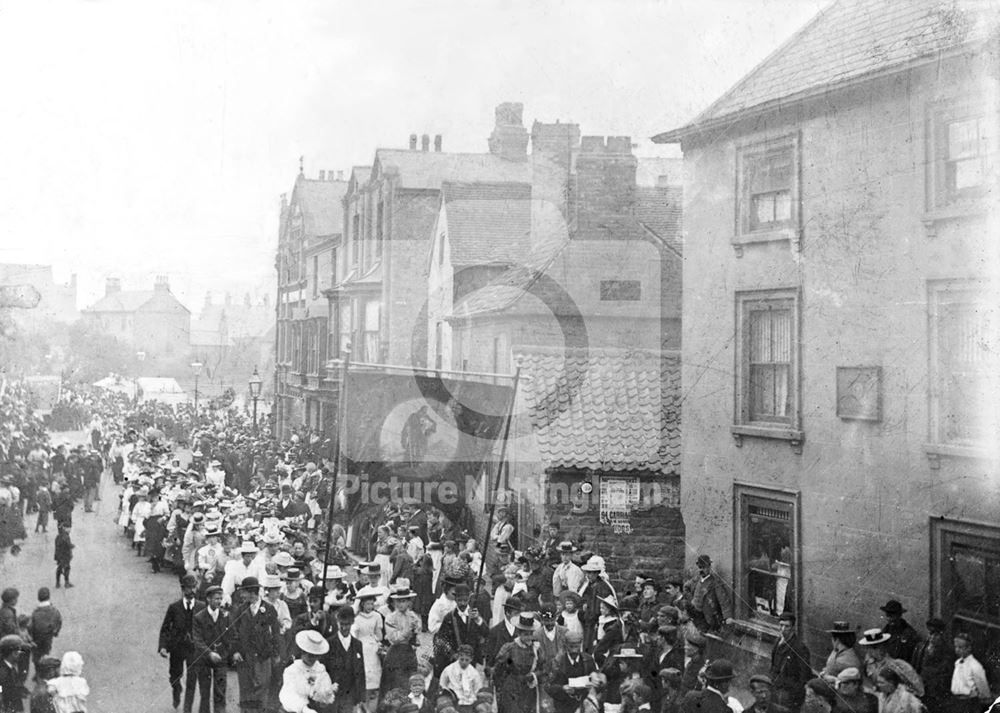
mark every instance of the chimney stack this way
{"type": "Point", "coordinates": [437, 143]}
{"type": "Point", "coordinates": [112, 285]}
{"type": "Point", "coordinates": [413, 142]}
{"type": "Point", "coordinates": [162, 284]}
{"type": "Point", "coordinates": [425, 142]}
{"type": "Point", "coordinates": [322, 175]}
{"type": "Point", "coordinates": [509, 139]}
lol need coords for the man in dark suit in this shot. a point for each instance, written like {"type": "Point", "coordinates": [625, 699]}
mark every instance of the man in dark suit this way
{"type": "Point", "coordinates": [665, 653]}
{"type": "Point", "coordinates": [714, 697]}
{"type": "Point", "coordinates": [176, 639]}
{"type": "Point", "coordinates": [503, 633]}
{"type": "Point", "coordinates": [255, 646]}
{"type": "Point", "coordinates": [790, 667]}
{"type": "Point", "coordinates": [572, 663]}
{"type": "Point", "coordinates": [460, 626]}
{"type": "Point", "coordinates": [211, 643]}
{"type": "Point", "coordinates": [11, 678]}
{"type": "Point", "coordinates": [345, 664]}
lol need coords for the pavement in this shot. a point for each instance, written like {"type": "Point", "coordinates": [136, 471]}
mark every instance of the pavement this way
{"type": "Point", "coordinates": [112, 615]}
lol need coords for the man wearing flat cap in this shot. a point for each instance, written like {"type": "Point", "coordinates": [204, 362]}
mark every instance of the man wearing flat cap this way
{"type": "Point", "coordinates": [212, 644]}
{"type": "Point", "coordinates": [762, 688]}
{"type": "Point", "coordinates": [904, 637]}
{"type": "Point", "coordinates": [790, 667]}
{"type": "Point", "coordinates": [11, 678]}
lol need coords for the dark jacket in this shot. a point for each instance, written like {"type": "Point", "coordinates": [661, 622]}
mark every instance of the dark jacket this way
{"type": "Point", "coordinates": [904, 640]}
{"type": "Point", "coordinates": [176, 632]}
{"type": "Point", "coordinates": [46, 623]}
{"type": "Point", "coordinates": [347, 669]}
{"type": "Point", "coordinates": [711, 601]}
{"type": "Point", "coordinates": [704, 702]}
{"type": "Point", "coordinates": [13, 689]}
{"type": "Point", "coordinates": [8, 621]}
{"type": "Point", "coordinates": [935, 662]}
{"type": "Point", "coordinates": [559, 671]}
{"type": "Point", "coordinates": [790, 668]}
{"type": "Point", "coordinates": [256, 636]}
{"type": "Point", "coordinates": [210, 636]}
{"type": "Point", "coordinates": [452, 634]}
{"type": "Point", "coordinates": [64, 547]}
{"type": "Point", "coordinates": [495, 640]}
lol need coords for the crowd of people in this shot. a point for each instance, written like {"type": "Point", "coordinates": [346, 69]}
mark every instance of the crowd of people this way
{"type": "Point", "coordinates": [318, 616]}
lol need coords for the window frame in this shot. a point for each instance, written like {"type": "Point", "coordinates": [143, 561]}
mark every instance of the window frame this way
{"type": "Point", "coordinates": [944, 531]}
{"type": "Point", "coordinates": [743, 424]}
{"type": "Point", "coordinates": [792, 228]}
{"type": "Point", "coordinates": [940, 114]}
{"type": "Point", "coordinates": [745, 493]}
{"type": "Point", "coordinates": [938, 293]}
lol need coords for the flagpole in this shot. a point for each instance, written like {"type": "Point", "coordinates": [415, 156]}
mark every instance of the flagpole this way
{"type": "Point", "coordinates": [496, 483]}
{"type": "Point", "coordinates": [341, 399]}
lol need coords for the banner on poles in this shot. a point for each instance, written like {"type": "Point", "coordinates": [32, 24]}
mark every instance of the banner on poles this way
{"type": "Point", "coordinates": [416, 432]}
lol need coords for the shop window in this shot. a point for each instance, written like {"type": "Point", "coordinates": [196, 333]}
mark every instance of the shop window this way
{"type": "Point", "coordinates": [767, 553]}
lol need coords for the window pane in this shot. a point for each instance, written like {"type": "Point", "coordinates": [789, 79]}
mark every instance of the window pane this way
{"type": "Point", "coordinates": [968, 370]}
{"type": "Point", "coordinates": [963, 139]}
{"type": "Point", "coordinates": [770, 363]}
{"type": "Point", "coordinates": [965, 174]}
{"type": "Point", "coordinates": [783, 206]}
{"type": "Point", "coordinates": [768, 529]}
{"type": "Point", "coordinates": [763, 209]}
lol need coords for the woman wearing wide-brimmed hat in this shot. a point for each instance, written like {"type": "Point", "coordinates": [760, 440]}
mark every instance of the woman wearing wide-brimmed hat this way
{"type": "Point", "coordinates": [516, 669]}
{"type": "Point", "coordinates": [401, 628]}
{"type": "Point", "coordinates": [306, 683]}
{"type": "Point", "coordinates": [843, 638]}
{"type": "Point", "coordinates": [369, 629]}
{"type": "Point", "coordinates": [874, 641]}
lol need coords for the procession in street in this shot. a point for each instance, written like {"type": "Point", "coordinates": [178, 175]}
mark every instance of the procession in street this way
{"type": "Point", "coordinates": [591, 357]}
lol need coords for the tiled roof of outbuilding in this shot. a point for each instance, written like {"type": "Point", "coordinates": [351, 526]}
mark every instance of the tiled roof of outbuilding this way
{"type": "Point", "coordinates": [848, 40]}
{"type": "Point", "coordinates": [604, 409]}
{"type": "Point", "coordinates": [488, 223]}
{"type": "Point", "coordinates": [659, 210]}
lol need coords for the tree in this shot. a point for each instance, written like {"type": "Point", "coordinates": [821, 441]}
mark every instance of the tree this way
{"type": "Point", "coordinates": [93, 354]}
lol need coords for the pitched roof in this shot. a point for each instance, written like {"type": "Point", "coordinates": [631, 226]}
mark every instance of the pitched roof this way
{"type": "Point", "coordinates": [849, 40]}
{"type": "Point", "coordinates": [488, 223]}
{"type": "Point", "coordinates": [659, 210]}
{"type": "Point", "coordinates": [604, 409]}
{"type": "Point", "coordinates": [320, 202]}
{"type": "Point", "coordinates": [126, 301]}
{"type": "Point", "coordinates": [429, 169]}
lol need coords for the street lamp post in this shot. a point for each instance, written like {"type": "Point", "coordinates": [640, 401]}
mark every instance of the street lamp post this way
{"type": "Point", "coordinates": [140, 357]}
{"type": "Point", "coordinates": [196, 368]}
{"type": "Point", "coordinates": [255, 385]}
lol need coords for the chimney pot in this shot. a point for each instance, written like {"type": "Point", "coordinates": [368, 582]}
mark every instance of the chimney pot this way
{"type": "Point", "coordinates": [413, 142]}
{"type": "Point", "coordinates": [425, 142]}
{"type": "Point", "coordinates": [437, 143]}
{"type": "Point", "coordinates": [322, 175]}
{"type": "Point", "coordinates": [161, 284]}
{"type": "Point", "coordinates": [112, 285]}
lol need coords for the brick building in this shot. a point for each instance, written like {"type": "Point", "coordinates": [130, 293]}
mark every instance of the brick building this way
{"type": "Point", "coordinates": [152, 321]}
{"type": "Point", "coordinates": [840, 326]}
{"type": "Point", "coordinates": [309, 241]}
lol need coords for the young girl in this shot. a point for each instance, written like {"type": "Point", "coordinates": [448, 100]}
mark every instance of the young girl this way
{"type": "Point", "coordinates": [69, 690]}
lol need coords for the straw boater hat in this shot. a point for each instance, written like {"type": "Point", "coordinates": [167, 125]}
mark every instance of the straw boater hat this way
{"type": "Point", "coordinates": [248, 548]}
{"type": "Point", "coordinates": [294, 574]}
{"type": "Point", "coordinates": [404, 593]}
{"type": "Point", "coordinates": [271, 581]}
{"type": "Point", "coordinates": [874, 637]}
{"type": "Point", "coordinates": [525, 622]}
{"type": "Point", "coordinates": [335, 572]}
{"type": "Point", "coordinates": [629, 653]}
{"type": "Point", "coordinates": [368, 592]}
{"type": "Point", "coordinates": [312, 642]}
{"type": "Point", "coordinates": [283, 559]}
{"type": "Point", "coordinates": [567, 547]}
{"type": "Point", "coordinates": [841, 627]}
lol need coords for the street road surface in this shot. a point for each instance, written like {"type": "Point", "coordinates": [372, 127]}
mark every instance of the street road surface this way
{"type": "Point", "coordinates": [113, 614]}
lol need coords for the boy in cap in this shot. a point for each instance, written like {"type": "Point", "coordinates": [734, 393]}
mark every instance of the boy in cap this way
{"type": "Point", "coordinates": [850, 697]}
{"type": "Point", "coordinates": [761, 688]}
{"type": "Point", "coordinates": [64, 554]}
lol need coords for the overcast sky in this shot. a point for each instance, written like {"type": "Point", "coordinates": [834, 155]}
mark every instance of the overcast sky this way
{"type": "Point", "coordinates": [141, 138]}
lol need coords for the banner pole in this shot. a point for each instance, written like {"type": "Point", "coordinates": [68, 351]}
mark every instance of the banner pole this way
{"type": "Point", "coordinates": [341, 399]}
{"type": "Point", "coordinates": [496, 483]}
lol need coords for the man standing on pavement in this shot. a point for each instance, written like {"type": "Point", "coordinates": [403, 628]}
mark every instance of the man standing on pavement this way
{"type": "Point", "coordinates": [12, 690]}
{"type": "Point", "coordinates": [346, 665]}
{"type": "Point", "coordinates": [92, 467]}
{"type": "Point", "coordinates": [904, 637]}
{"type": "Point", "coordinates": [177, 639]}
{"type": "Point", "coordinates": [710, 598]}
{"type": "Point", "coordinates": [8, 611]}
{"type": "Point", "coordinates": [211, 643]}
{"type": "Point", "coordinates": [63, 553]}
{"type": "Point", "coordinates": [255, 646]}
{"type": "Point", "coordinates": [970, 692]}
{"type": "Point", "coordinates": [790, 667]}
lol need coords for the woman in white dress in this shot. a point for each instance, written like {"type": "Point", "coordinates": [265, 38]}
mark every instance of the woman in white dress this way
{"type": "Point", "coordinates": [369, 629]}
{"type": "Point", "coordinates": [384, 546]}
{"type": "Point", "coordinates": [140, 512]}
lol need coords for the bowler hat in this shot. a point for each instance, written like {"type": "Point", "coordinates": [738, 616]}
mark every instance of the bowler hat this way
{"type": "Point", "coordinates": [189, 580]}
{"type": "Point", "coordinates": [250, 583]}
{"type": "Point", "coordinates": [935, 624]}
{"type": "Point", "coordinates": [703, 561]}
{"type": "Point", "coordinates": [893, 607]}
{"type": "Point", "coordinates": [719, 670]}
{"type": "Point", "coordinates": [567, 547]}
{"type": "Point", "coordinates": [841, 627]}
